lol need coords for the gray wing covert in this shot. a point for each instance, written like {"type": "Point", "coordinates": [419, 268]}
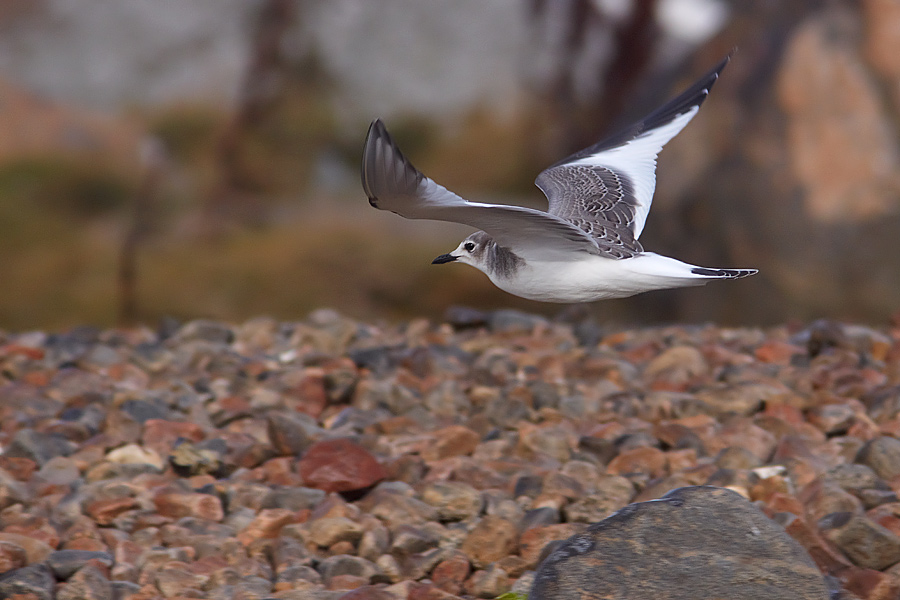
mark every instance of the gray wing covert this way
{"type": "Point", "coordinates": [596, 199]}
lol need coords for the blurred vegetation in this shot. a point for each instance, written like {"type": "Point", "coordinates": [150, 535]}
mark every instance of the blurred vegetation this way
{"type": "Point", "coordinates": [63, 218]}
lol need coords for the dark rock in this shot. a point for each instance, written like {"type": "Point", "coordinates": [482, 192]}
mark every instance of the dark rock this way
{"type": "Point", "coordinates": [345, 564]}
{"type": "Point", "coordinates": [855, 477]}
{"type": "Point", "coordinates": [883, 456]}
{"type": "Point", "coordinates": [290, 434]}
{"type": "Point", "coordinates": [409, 539]}
{"type": "Point", "coordinates": [514, 321]}
{"type": "Point", "coordinates": [143, 410]}
{"type": "Point", "coordinates": [34, 579]}
{"type": "Point", "coordinates": [64, 563]}
{"type": "Point", "coordinates": [528, 485]}
{"type": "Point", "coordinates": [539, 517]}
{"type": "Point", "coordinates": [463, 317]}
{"type": "Point", "coordinates": [696, 542]}
{"type": "Point", "coordinates": [87, 584]}
{"type": "Point", "coordinates": [605, 450]}
{"type": "Point", "coordinates": [37, 446]}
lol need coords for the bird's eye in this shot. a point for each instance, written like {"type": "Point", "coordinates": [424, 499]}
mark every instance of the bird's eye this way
{"type": "Point", "coordinates": [469, 246]}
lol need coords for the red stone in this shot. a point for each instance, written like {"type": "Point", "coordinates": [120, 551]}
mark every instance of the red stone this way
{"type": "Point", "coordinates": [177, 504]}
{"type": "Point", "coordinates": [106, 510]}
{"type": "Point", "coordinates": [777, 352]}
{"type": "Point", "coordinates": [26, 351]}
{"type": "Point", "coordinates": [533, 540]}
{"type": "Point", "coordinates": [872, 585]}
{"type": "Point", "coordinates": [644, 459]}
{"type": "Point", "coordinates": [828, 559]}
{"type": "Point", "coordinates": [12, 556]}
{"type": "Point", "coordinates": [19, 467]}
{"type": "Point", "coordinates": [346, 582]}
{"type": "Point", "coordinates": [310, 393]}
{"type": "Point", "coordinates": [339, 466]}
{"type": "Point", "coordinates": [449, 575]}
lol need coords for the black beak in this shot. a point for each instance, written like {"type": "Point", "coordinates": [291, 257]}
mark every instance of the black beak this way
{"type": "Point", "coordinates": [444, 258]}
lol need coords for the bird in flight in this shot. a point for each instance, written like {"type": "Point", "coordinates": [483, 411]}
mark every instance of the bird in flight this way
{"type": "Point", "coordinates": [585, 246]}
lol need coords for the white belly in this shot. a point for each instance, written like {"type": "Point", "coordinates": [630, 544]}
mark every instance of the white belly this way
{"type": "Point", "coordinates": [597, 278]}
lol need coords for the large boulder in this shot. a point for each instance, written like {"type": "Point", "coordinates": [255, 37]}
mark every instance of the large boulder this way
{"type": "Point", "coordinates": [694, 542]}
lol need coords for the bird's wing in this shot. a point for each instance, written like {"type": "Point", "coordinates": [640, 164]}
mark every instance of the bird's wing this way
{"type": "Point", "coordinates": [607, 189]}
{"type": "Point", "coordinates": [392, 183]}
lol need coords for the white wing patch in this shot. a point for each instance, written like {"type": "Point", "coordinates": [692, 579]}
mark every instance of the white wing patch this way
{"type": "Point", "coordinates": [636, 159]}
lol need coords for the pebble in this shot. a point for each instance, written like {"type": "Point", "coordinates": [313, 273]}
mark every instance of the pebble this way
{"type": "Point", "coordinates": [36, 580]}
{"type": "Point", "coordinates": [64, 563]}
{"type": "Point", "coordinates": [339, 466]}
{"type": "Point", "coordinates": [345, 564]}
{"type": "Point", "coordinates": [882, 455]}
{"type": "Point", "coordinates": [490, 540]}
{"type": "Point", "coordinates": [865, 542]}
{"type": "Point", "coordinates": [88, 583]}
{"type": "Point", "coordinates": [454, 500]}
{"type": "Point", "coordinates": [438, 460]}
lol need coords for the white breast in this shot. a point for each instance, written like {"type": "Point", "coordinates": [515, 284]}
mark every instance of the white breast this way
{"type": "Point", "coordinates": [597, 278]}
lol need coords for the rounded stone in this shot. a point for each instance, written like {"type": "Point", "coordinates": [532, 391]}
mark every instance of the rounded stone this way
{"type": "Point", "coordinates": [696, 542]}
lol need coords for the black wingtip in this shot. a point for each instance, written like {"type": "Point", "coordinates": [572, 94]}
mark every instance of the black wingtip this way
{"type": "Point", "coordinates": [692, 97]}
{"type": "Point", "coordinates": [376, 131]}
{"type": "Point", "coordinates": [385, 170]}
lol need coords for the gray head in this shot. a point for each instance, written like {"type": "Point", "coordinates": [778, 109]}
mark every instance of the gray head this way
{"type": "Point", "coordinates": [482, 252]}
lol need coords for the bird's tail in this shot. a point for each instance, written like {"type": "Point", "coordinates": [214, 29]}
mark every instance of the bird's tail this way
{"type": "Point", "coordinates": [723, 273]}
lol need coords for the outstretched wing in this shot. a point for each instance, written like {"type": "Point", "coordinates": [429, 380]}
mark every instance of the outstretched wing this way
{"type": "Point", "coordinates": [607, 189]}
{"type": "Point", "coordinates": [392, 183]}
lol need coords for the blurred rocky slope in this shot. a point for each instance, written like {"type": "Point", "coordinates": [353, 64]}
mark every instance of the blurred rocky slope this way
{"type": "Point", "coordinates": [791, 167]}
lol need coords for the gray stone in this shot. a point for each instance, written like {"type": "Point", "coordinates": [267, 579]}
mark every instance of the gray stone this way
{"type": "Point", "coordinates": [345, 564]}
{"type": "Point", "coordinates": [454, 500]}
{"type": "Point", "coordinates": [883, 456]}
{"type": "Point", "coordinates": [854, 477]}
{"type": "Point", "coordinates": [409, 539]}
{"type": "Point", "coordinates": [329, 530]}
{"type": "Point", "coordinates": [39, 447]}
{"type": "Point", "coordinates": [695, 542]}
{"type": "Point", "coordinates": [206, 331]}
{"type": "Point", "coordinates": [865, 542]}
{"type": "Point", "coordinates": [87, 584]}
{"type": "Point", "coordinates": [514, 321]}
{"type": "Point", "coordinates": [64, 563]}
{"type": "Point", "coordinates": [293, 498]}
{"type": "Point", "coordinates": [613, 492]}
{"type": "Point", "coordinates": [33, 579]}
{"type": "Point", "coordinates": [539, 517]}
{"type": "Point", "coordinates": [291, 434]}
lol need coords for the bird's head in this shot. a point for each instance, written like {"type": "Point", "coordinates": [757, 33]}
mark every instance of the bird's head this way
{"type": "Point", "coordinates": [471, 251]}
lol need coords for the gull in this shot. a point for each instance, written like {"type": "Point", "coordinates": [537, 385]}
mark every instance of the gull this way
{"type": "Point", "coordinates": [585, 246]}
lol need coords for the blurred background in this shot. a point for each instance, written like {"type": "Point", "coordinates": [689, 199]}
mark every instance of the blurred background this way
{"type": "Point", "coordinates": [200, 159]}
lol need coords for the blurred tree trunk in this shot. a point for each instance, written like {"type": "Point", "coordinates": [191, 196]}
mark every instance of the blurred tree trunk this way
{"type": "Point", "coordinates": [153, 160]}
{"type": "Point", "coordinates": [579, 119]}
{"type": "Point", "coordinates": [234, 198]}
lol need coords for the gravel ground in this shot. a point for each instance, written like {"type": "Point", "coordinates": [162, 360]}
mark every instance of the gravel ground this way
{"type": "Point", "coordinates": [324, 457]}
